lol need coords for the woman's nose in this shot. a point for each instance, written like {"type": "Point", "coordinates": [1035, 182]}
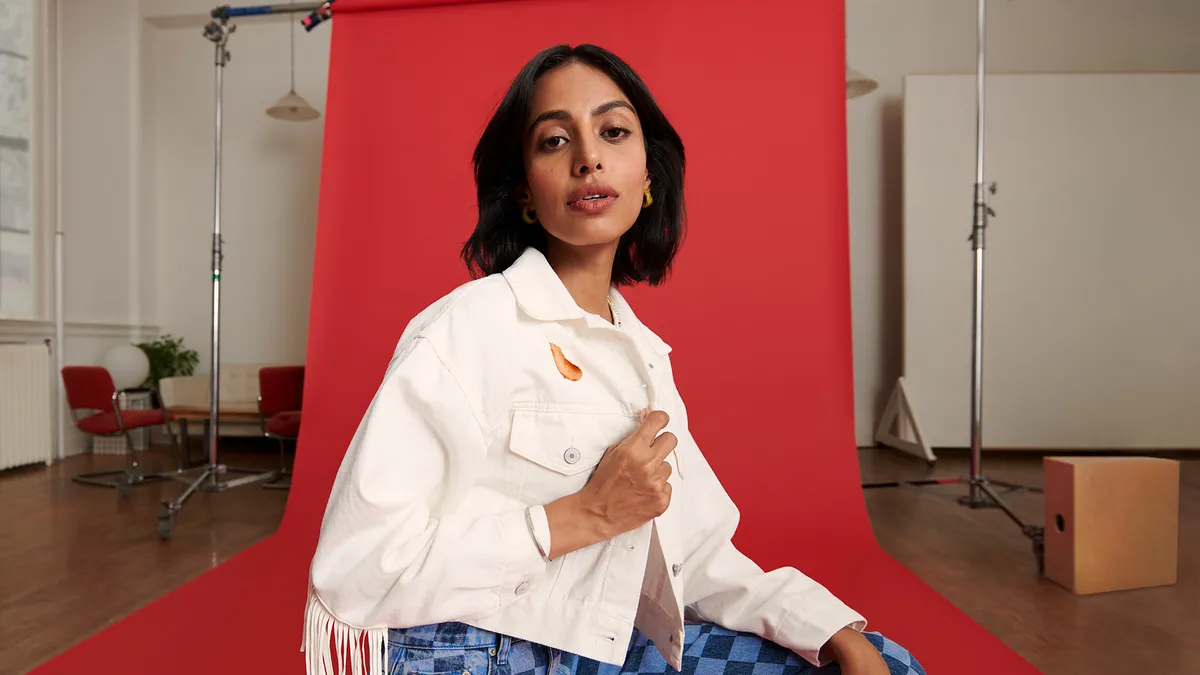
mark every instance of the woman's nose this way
{"type": "Point", "coordinates": [587, 159]}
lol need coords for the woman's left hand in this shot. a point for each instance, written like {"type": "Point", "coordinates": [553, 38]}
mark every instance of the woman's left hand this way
{"type": "Point", "coordinates": [854, 654]}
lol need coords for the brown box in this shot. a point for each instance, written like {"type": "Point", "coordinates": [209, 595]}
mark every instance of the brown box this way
{"type": "Point", "coordinates": [1112, 523]}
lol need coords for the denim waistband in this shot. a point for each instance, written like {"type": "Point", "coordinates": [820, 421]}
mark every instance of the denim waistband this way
{"type": "Point", "coordinates": [448, 635]}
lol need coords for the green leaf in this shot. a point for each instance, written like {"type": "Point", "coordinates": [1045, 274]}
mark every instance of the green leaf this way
{"type": "Point", "coordinates": [168, 358]}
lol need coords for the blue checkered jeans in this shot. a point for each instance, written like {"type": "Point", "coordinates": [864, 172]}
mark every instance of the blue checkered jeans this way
{"type": "Point", "coordinates": [458, 649]}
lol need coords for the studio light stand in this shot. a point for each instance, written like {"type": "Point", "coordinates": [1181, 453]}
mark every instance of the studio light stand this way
{"type": "Point", "coordinates": [979, 489]}
{"type": "Point", "coordinates": [210, 476]}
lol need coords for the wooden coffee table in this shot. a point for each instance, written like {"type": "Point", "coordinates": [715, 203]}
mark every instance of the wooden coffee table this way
{"type": "Point", "coordinates": [194, 413]}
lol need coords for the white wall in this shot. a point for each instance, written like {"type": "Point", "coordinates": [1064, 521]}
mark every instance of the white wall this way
{"type": "Point", "coordinates": [270, 186]}
{"type": "Point", "coordinates": [138, 156]}
{"type": "Point", "coordinates": [108, 295]}
{"type": "Point", "coordinates": [888, 39]}
{"type": "Point", "coordinates": [107, 251]}
{"type": "Point", "coordinates": [137, 195]}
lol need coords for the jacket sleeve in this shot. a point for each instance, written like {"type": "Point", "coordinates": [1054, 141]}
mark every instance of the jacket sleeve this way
{"type": "Point", "coordinates": [395, 547]}
{"type": "Point", "coordinates": [725, 587]}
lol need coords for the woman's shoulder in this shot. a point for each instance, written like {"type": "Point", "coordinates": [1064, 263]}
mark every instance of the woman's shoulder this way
{"type": "Point", "coordinates": [475, 306]}
{"type": "Point", "coordinates": [474, 334]}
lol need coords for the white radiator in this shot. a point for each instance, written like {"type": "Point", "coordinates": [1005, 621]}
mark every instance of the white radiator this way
{"type": "Point", "coordinates": [26, 400]}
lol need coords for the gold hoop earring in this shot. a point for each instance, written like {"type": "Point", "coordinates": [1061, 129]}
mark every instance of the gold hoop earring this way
{"type": "Point", "coordinates": [647, 200]}
{"type": "Point", "coordinates": [525, 215]}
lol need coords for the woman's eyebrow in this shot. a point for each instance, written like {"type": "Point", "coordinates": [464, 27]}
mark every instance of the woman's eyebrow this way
{"type": "Point", "coordinates": [566, 116]}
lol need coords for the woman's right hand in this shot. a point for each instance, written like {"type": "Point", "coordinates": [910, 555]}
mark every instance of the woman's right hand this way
{"type": "Point", "coordinates": [628, 488]}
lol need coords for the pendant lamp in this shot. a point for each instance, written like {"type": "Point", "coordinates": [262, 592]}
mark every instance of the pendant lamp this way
{"type": "Point", "coordinates": [291, 106]}
{"type": "Point", "coordinates": [858, 84]}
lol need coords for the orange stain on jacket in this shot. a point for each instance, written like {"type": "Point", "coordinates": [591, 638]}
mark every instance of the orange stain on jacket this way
{"type": "Point", "coordinates": [569, 370]}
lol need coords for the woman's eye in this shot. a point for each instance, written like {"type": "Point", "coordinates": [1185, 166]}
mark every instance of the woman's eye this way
{"type": "Point", "coordinates": [615, 133]}
{"type": "Point", "coordinates": [553, 142]}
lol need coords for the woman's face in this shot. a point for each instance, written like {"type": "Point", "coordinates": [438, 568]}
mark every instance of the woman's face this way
{"type": "Point", "coordinates": [585, 157]}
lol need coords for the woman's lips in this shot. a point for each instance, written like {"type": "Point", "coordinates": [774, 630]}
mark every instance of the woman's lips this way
{"type": "Point", "coordinates": [596, 205]}
{"type": "Point", "coordinates": [591, 197]}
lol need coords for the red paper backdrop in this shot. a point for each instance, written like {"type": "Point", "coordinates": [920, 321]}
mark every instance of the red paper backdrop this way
{"type": "Point", "coordinates": [758, 311]}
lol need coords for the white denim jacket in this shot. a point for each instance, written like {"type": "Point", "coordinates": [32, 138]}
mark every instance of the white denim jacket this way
{"type": "Point", "coordinates": [436, 512]}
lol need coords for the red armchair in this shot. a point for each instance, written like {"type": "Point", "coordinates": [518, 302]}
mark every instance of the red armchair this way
{"type": "Point", "coordinates": [94, 403]}
{"type": "Point", "coordinates": [280, 399]}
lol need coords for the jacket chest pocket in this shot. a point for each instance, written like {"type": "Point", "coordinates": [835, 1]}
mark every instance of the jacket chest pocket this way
{"type": "Point", "coordinates": [553, 451]}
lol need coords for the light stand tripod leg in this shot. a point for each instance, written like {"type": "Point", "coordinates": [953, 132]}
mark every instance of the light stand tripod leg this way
{"type": "Point", "coordinates": [1035, 533]}
{"type": "Point", "coordinates": [1017, 487]}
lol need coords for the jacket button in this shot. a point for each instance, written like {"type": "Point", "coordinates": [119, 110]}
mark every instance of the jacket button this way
{"type": "Point", "coordinates": [571, 456]}
{"type": "Point", "coordinates": [522, 588]}
{"type": "Point", "coordinates": [676, 568]}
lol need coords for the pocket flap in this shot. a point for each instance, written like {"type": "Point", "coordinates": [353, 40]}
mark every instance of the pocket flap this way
{"type": "Point", "coordinates": [567, 441]}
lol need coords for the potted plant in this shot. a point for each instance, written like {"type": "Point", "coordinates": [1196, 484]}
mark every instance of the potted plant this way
{"type": "Point", "coordinates": [168, 358]}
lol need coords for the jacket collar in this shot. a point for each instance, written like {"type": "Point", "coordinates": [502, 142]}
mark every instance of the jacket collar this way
{"type": "Point", "coordinates": [539, 291]}
{"type": "Point", "coordinates": [542, 295]}
{"type": "Point", "coordinates": [630, 319]}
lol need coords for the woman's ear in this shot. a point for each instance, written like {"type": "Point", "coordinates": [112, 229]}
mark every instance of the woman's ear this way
{"type": "Point", "coordinates": [524, 198]}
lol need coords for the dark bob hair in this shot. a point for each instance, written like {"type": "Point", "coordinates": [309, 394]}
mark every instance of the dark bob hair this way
{"type": "Point", "coordinates": [647, 250]}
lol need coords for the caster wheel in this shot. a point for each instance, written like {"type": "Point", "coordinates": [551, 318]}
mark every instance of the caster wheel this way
{"type": "Point", "coordinates": [164, 526]}
{"type": "Point", "coordinates": [124, 490]}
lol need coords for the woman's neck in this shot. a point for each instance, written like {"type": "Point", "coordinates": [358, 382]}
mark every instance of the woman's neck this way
{"type": "Point", "coordinates": [587, 274]}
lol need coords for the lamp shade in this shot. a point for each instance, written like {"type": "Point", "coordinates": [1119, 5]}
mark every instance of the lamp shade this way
{"type": "Point", "coordinates": [858, 84]}
{"type": "Point", "coordinates": [292, 107]}
{"type": "Point", "coordinates": [128, 366]}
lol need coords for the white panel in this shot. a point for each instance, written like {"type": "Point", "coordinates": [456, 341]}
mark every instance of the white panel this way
{"type": "Point", "coordinates": [1092, 265]}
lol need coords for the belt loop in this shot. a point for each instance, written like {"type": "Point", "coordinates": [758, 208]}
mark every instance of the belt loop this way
{"type": "Point", "coordinates": [503, 646]}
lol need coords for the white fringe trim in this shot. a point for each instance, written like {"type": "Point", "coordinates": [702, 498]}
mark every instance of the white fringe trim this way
{"type": "Point", "coordinates": [325, 636]}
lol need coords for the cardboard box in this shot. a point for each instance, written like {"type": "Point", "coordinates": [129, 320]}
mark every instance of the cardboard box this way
{"type": "Point", "coordinates": [1112, 523]}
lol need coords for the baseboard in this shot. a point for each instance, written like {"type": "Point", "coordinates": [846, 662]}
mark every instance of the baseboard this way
{"type": "Point", "coordinates": [1066, 451]}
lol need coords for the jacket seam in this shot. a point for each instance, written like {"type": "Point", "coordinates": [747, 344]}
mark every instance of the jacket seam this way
{"type": "Point", "coordinates": [779, 630]}
{"type": "Point", "coordinates": [461, 390]}
{"type": "Point", "coordinates": [483, 436]}
{"type": "Point", "coordinates": [423, 334]}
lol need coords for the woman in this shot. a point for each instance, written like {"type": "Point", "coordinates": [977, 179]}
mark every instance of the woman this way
{"type": "Point", "coordinates": [522, 495]}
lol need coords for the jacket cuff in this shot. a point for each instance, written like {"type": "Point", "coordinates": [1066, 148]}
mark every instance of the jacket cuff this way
{"type": "Point", "coordinates": [523, 562]}
{"type": "Point", "coordinates": [809, 634]}
{"type": "Point", "coordinates": [539, 527]}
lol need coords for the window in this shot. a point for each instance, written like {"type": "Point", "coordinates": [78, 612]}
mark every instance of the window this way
{"type": "Point", "coordinates": [18, 249]}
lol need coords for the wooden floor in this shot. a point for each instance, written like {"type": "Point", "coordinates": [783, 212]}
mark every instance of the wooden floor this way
{"type": "Point", "coordinates": [981, 562]}
{"type": "Point", "coordinates": [74, 558]}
